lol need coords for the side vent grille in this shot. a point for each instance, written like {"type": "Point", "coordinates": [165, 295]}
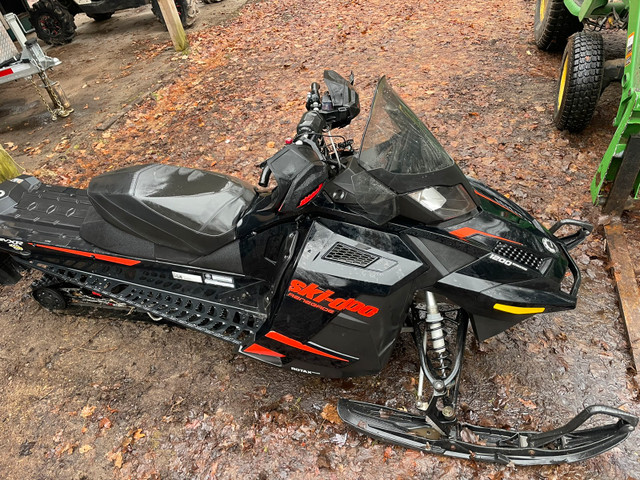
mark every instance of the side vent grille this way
{"type": "Point", "coordinates": [523, 257]}
{"type": "Point", "coordinates": [348, 255]}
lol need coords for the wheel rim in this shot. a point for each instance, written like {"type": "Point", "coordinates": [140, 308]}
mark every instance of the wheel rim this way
{"type": "Point", "coordinates": [49, 25]}
{"type": "Point", "coordinates": [563, 80]}
{"type": "Point", "coordinates": [179, 9]}
{"type": "Point", "coordinates": [50, 299]}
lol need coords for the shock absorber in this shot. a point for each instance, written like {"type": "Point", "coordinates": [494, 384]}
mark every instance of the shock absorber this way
{"type": "Point", "coordinates": [434, 346]}
{"type": "Point", "coordinates": [437, 335]}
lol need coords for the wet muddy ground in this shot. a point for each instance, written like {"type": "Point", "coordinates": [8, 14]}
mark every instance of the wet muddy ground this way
{"type": "Point", "coordinates": [93, 397]}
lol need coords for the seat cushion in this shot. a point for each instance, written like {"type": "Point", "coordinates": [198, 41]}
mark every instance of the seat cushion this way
{"type": "Point", "coordinates": [182, 208]}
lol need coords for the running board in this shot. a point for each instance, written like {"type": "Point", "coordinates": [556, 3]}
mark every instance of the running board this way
{"type": "Point", "coordinates": [566, 444]}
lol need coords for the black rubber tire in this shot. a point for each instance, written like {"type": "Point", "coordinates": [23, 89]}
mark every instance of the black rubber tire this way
{"type": "Point", "coordinates": [53, 23]}
{"type": "Point", "coordinates": [100, 17]}
{"type": "Point", "coordinates": [580, 81]}
{"type": "Point", "coordinates": [187, 9]}
{"type": "Point", "coordinates": [553, 24]}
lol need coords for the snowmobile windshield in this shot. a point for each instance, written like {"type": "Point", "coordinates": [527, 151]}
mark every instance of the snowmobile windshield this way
{"type": "Point", "coordinates": [396, 141]}
{"type": "Point", "coordinates": [401, 157]}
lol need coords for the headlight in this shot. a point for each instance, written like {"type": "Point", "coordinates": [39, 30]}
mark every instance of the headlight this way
{"type": "Point", "coordinates": [445, 202]}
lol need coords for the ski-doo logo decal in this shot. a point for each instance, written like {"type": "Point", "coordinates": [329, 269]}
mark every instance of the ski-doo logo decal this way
{"type": "Point", "coordinates": [549, 245]}
{"type": "Point", "coordinates": [316, 297]}
{"type": "Point", "coordinates": [15, 244]}
{"type": "Point", "coordinates": [465, 232]}
{"type": "Point", "coordinates": [97, 256]}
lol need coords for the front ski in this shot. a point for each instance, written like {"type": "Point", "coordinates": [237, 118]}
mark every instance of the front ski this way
{"type": "Point", "coordinates": [566, 444]}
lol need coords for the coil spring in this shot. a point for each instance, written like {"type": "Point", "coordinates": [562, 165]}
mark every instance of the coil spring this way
{"type": "Point", "coordinates": [438, 350]}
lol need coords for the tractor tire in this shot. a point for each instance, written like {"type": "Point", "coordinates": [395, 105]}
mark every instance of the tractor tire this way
{"type": "Point", "coordinates": [100, 17]}
{"type": "Point", "coordinates": [580, 82]}
{"type": "Point", "coordinates": [553, 24]}
{"type": "Point", "coordinates": [187, 10]}
{"type": "Point", "coordinates": [53, 23]}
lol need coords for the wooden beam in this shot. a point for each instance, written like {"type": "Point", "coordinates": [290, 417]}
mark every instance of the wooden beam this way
{"type": "Point", "coordinates": [174, 25]}
{"type": "Point", "coordinates": [626, 285]}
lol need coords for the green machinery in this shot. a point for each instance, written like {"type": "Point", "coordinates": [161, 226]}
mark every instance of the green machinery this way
{"type": "Point", "coordinates": [585, 74]}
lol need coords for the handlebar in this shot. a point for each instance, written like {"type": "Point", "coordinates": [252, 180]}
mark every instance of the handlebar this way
{"type": "Point", "coordinates": [264, 177]}
{"type": "Point", "coordinates": [313, 97]}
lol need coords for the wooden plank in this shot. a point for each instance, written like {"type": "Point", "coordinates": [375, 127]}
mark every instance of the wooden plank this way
{"type": "Point", "coordinates": [626, 285]}
{"type": "Point", "coordinates": [172, 20]}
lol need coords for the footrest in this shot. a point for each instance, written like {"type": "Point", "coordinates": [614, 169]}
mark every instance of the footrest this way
{"type": "Point", "coordinates": [566, 444]}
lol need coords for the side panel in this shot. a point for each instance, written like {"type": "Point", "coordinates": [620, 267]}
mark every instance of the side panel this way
{"type": "Point", "coordinates": [344, 302]}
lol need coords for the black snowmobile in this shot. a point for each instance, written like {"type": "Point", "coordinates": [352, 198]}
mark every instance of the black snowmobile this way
{"type": "Point", "coordinates": [321, 274]}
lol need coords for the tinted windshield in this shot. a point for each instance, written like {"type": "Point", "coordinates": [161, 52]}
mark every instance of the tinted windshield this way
{"type": "Point", "coordinates": [396, 140]}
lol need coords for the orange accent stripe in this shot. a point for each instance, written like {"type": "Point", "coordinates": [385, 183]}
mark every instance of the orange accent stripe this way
{"type": "Point", "coordinates": [310, 197]}
{"type": "Point", "coordinates": [465, 232]}
{"type": "Point", "coordinates": [260, 350]}
{"type": "Point", "coordinates": [278, 337]}
{"type": "Point", "coordinates": [499, 204]}
{"type": "Point", "coordinates": [97, 256]}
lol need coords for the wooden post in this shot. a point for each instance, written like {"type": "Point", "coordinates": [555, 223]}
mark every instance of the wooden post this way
{"type": "Point", "coordinates": [626, 285]}
{"type": "Point", "coordinates": [8, 167]}
{"type": "Point", "coordinates": [174, 25]}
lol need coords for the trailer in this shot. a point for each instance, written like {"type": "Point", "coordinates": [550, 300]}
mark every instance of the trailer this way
{"type": "Point", "coordinates": [27, 60]}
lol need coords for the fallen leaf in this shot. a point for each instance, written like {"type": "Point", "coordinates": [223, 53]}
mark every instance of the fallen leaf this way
{"type": "Point", "coordinates": [528, 403]}
{"type": "Point", "coordinates": [85, 448]}
{"type": "Point", "coordinates": [105, 423]}
{"type": "Point", "coordinates": [117, 462]}
{"type": "Point", "coordinates": [87, 411]}
{"type": "Point", "coordinates": [330, 414]}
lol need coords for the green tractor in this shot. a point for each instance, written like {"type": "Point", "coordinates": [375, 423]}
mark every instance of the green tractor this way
{"type": "Point", "coordinates": [585, 74]}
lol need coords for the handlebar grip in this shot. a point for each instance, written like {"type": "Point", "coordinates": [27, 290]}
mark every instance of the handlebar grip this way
{"type": "Point", "coordinates": [313, 97]}
{"type": "Point", "coordinates": [311, 122]}
{"type": "Point", "coordinates": [264, 177]}
{"type": "Point", "coordinates": [315, 89]}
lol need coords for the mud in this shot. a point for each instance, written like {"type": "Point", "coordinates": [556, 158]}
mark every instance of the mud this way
{"type": "Point", "coordinates": [99, 397]}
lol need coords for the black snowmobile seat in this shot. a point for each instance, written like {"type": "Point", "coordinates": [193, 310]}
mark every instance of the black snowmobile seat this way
{"type": "Point", "coordinates": [182, 208]}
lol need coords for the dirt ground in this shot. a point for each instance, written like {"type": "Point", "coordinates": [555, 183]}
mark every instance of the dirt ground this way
{"type": "Point", "coordinates": [89, 396]}
{"type": "Point", "coordinates": [106, 69]}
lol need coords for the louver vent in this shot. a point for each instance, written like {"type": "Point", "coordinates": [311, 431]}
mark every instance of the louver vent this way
{"type": "Point", "coordinates": [348, 255]}
{"type": "Point", "coordinates": [519, 255]}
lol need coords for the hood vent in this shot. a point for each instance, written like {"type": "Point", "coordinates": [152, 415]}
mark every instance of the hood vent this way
{"type": "Point", "coordinates": [348, 255]}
